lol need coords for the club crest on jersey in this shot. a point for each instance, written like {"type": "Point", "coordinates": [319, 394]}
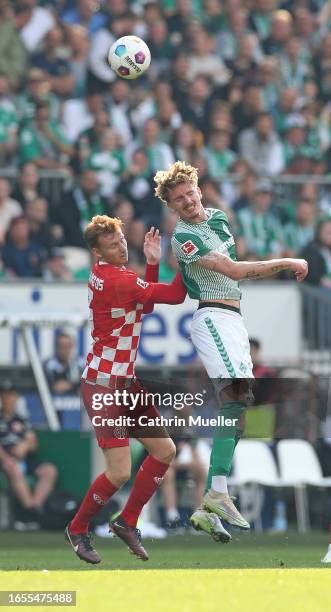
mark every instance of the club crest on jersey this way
{"type": "Point", "coordinates": [142, 283]}
{"type": "Point", "coordinates": [189, 248]}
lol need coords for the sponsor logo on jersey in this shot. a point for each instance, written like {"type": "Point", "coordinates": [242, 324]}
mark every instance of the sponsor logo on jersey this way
{"type": "Point", "coordinates": [142, 283]}
{"type": "Point", "coordinates": [189, 248]}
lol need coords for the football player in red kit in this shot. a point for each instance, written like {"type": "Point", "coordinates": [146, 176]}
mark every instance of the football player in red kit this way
{"type": "Point", "coordinates": [117, 300]}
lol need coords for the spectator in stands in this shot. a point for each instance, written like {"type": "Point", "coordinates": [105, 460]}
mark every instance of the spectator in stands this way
{"type": "Point", "coordinates": [286, 106]}
{"type": "Point", "coordinates": [318, 255]}
{"type": "Point", "coordinates": [33, 23]}
{"type": "Point", "coordinates": [204, 60]}
{"type": "Point", "coordinates": [18, 459]}
{"type": "Point", "coordinates": [57, 68]}
{"type": "Point", "coordinates": [9, 208]}
{"type": "Point", "coordinates": [294, 65]}
{"type": "Point", "coordinates": [78, 207]}
{"type": "Point", "coordinates": [322, 66]}
{"type": "Point", "coordinates": [84, 14]}
{"type": "Point", "coordinates": [37, 89]}
{"type": "Point", "coordinates": [280, 32]}
{"type": "Point", "coordinates": [21, 256]}
{"type": "Point", "coordinates": [41, 230]}
{"type": "Point", "coordinates": [298, 146]}
{"type": "Point", "coordinates": [247, 109]}
{"type": "Point", "coordinates": [228, 37]}
{"type": "Point", "coordinates": [261, 17]}
{"type": "Point", "coordinates": [247, 188]}
{"type": "Point", "coordinates": [159, 153]}
{"type": "Point", "coordinates": [137, 186]}
{"type": "Point", "coordinates": [244, 66]}
{"type": "Point", "coordinates": [261, 148]}
{"type": "Point", "coordinates": [179, 80]}
{"type": "Point", "coordinates": [43, 141]}
{"type": "Point", "coordinates": [64, 369]}
{"type": "Point", "coordinates": [267, 78]}
{"type": "Point", "coordinates": [107, 161]}
{"type": "Point", "coordinates": [79, 44]}
{"type": "Point", "coordinates": [185, 142]}
{"type": "Point", "coordinates": [219, 156]}
{"type": "Point", "coordinates": [259, 229]}
{"type": "Point", "coordinates": [298, 233]}
{"type": "Point", "coordinates": [27, 188]}
{"type": "Point", "coordinates": [118, 108]}
{"type": "Point", "coordinates": [12, 52]}
{"type": "Point", "coordinates": [55, 268]}
{"type": "Point", "coordinates": [195, 107]}
{"type": "Point", "coordinates": [8, 123]}
{"type": "Point", "coordinates": [160, 45]}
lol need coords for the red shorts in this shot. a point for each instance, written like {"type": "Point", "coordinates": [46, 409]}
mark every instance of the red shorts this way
{"type": "Point", "coordinates": [115, 411]}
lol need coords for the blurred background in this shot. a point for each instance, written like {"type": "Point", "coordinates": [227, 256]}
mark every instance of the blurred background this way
{"type": "Point", "coordinates": [241, 90]}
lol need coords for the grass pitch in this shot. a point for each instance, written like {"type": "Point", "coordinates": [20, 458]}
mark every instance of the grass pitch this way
{"type": "Point", "coordinates": [185, 573]}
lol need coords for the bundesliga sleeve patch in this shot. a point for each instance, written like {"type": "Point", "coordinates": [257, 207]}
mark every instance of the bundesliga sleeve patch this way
{"type": "Point", "coordinates": [142, 283]}
{"type": "Point", "coordinates": [189, 248]}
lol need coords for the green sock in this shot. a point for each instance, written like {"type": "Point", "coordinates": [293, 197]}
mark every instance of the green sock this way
{"type": "Point", "coordinates": [225, 440]}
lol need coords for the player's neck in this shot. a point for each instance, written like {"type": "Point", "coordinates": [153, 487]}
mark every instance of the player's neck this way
{"type": "Point", "coordinates": [199, 218]}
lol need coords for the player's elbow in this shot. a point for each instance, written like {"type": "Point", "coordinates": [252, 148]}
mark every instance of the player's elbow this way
{"type": "Point", "coordinates": [233, 271]}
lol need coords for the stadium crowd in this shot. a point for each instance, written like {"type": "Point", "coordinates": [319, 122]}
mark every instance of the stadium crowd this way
{"type": "Point", "coordinates": [235, 87]}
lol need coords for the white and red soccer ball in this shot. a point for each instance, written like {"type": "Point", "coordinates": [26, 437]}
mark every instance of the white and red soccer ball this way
{"type": "Point", "coordinates": [129, 57]}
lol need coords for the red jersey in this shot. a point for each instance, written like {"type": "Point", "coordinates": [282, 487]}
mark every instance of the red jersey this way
{"type": "Point", "coordinates": [116, 300]}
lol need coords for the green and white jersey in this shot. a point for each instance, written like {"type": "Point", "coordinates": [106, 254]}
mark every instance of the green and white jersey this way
{"type": "Point", "coordinates": [190, 241]}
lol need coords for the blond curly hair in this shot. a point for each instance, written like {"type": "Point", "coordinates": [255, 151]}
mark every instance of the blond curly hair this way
{"type": "Point", "coordinates": [100, 225]}
{"type": "Point", "coordinates": [179, 172]}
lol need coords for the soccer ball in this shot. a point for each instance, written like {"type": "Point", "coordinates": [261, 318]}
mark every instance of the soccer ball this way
{"type": "Point", "coordinates": [129, 57]}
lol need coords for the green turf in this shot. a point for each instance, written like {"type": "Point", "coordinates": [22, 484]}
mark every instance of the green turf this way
{"type": "Point", "coordinates": [43, 550]}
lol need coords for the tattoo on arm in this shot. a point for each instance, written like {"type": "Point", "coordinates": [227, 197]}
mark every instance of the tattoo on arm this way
{"type": "Point", "coordinates": [260, 273]}
{"type": "Point", "coordinates": [211, 260]}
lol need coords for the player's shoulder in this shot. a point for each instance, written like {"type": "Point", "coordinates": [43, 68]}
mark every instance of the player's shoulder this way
{"type": "Point", "coordinates": [214, 214]}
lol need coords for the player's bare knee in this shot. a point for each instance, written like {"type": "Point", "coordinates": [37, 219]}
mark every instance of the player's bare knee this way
{"type": "Point", "coordinates": [119, 477]}
{"type": "Point", "coordinates": [167, 452]}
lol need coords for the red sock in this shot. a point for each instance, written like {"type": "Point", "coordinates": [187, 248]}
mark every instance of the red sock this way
{"type": "Point", "coordinates": [148, 479]}
{"type": "Point", "coordinates": [97, 496]}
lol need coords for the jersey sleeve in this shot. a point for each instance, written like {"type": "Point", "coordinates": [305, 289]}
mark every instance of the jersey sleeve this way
{"type": "Point", "coordinates": [131, 288]}
{"type": "Point", "coordinates": [188, 248]}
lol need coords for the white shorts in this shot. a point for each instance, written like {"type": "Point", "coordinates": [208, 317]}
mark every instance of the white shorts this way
{"type": "Point", "coordinates": [221, 340]}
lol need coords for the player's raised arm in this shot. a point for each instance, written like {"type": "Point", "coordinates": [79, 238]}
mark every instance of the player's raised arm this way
{"type": "Point", "coordinates": [241, 270]}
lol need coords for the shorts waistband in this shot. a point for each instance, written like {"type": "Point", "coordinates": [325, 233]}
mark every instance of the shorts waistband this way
{"type": "Point", "coordinates": [218, 305]}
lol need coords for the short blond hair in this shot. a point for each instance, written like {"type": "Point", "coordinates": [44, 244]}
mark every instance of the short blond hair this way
{"type": "Point", "coordinates": [179, 172]}
{"type": "Point", "coordinates": [100, 225]}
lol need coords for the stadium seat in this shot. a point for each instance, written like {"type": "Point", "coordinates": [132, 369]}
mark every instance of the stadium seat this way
{"type": "Point", "coordinates": [299, 466]}
{"type": "Point", "coordinates": [254, 464]}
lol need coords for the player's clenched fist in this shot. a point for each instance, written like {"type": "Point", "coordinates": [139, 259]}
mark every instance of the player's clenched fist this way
{"type": "Point", "coordinates": [300, 269]}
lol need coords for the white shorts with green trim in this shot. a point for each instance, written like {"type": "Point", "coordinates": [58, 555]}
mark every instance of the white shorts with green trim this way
{"type": "Point", "coordinates": [221, 340]}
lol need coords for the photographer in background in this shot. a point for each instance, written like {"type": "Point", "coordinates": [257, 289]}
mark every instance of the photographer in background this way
{"type": "Point", "coordinates": [18, 461]}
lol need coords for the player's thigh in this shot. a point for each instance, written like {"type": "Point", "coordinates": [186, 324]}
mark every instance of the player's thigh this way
{"type": "Point", "coordinates": [221, 340]}
{"type": "Point", "coordinates": [118, 464]}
